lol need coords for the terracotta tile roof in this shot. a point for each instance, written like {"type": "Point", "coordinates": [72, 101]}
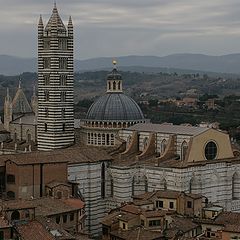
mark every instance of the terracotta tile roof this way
{"type": "Point", "coordinates": [232, 228]}
{"type": "Point", "coordinates": [126, 216]}
{"type": "Point", "coordinates": [54, 227]}
{"type": "Point", "coordinates": [130, 208]}
{"type": "Point", "coordinates": [165, 194]}
{"type": "Point", "coordinates": [155, 213]}
{"type": "Point", "coordinates": [228, 218]}
{"type": "Point", "coordinates": [43, 206]}
{"type": "Point", "coordinates": [34, 230]}
{"type": "Point", "coordinates": [73, 202]}
{"type": "Point", "coordinates": [111, 218]}
{"type": "Point", "coordinates": [137, 234]}
{"type": "Point", "coordinates": [183, 224]}
{"type": "Point", "coordinates": [72, 155]}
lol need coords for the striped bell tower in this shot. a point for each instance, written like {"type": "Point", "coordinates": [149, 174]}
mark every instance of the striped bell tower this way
{"type": "Point", "coordinates": [55, 83]}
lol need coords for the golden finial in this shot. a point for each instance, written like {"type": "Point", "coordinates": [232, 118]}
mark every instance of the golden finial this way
{"type": "Point", "coordinates": [114, 62]}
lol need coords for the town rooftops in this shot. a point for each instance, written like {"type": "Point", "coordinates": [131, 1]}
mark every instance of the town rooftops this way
{"type": "Point", "coordinates": [168, 128]}
{"type": "Point", "coordinates": [45, 206]}
{"type": "Point", "coordinates": [171, 194]}
{"type": "Point", "coordinates": [72, 155]}
{"type": "Point", "coordinates": [34, 230]}
{"type": "Point", "coordinates": [138, 233]}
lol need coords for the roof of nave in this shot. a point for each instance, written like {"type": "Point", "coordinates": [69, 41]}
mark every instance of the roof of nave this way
{"type": "Point", "coordinates": [71, 155]}
{"type": "Point", "coordinates": [168, 128]}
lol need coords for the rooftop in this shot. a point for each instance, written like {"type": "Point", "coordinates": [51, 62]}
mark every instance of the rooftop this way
{"type": "Point", "coordinates": [168, 128]}
{"type": "Point", "coordinates": [138, 233]}
{"type": "Point", "coordinates": [72, 155]}
{"type": "Point", "coordinates": [34, 230]}
{"type": "Point", "coordinates": [46, 206]}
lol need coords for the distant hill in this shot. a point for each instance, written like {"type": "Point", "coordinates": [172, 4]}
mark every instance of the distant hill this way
{"type": "Point", "coordinates": [192, 62]}
{"type": "Point", "coordinates": [10, 65]}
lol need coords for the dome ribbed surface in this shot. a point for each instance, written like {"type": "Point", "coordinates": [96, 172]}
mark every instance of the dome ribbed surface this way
{"type": "Point", "coordinates": [115, 106]}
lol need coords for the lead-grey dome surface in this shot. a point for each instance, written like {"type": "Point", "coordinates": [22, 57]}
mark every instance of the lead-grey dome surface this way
{"type": "Point", "coordinates": [115, 106]}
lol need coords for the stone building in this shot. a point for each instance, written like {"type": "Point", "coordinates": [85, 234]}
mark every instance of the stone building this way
{"type": "Point", "coordinates": [110, 113]}
{"type": "Point", "coordinates": [55, 83]}
{"type": "Point", "coordinates": [140, 157]}
{"type": "Point", "coordinates": [20, 116]}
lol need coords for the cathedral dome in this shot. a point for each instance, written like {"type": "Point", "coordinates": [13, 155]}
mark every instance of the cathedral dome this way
{"type": "Point", "coordinates": [115, 106]}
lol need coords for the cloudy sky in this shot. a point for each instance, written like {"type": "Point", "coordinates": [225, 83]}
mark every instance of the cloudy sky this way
{"type": "Point", "coordinates": [127, 27]}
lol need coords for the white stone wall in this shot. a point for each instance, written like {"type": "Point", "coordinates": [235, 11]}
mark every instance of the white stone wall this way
{"type": "Point", "coordinates": [88, 175]}
{"type": "Point", "coordinates": [213, 181]}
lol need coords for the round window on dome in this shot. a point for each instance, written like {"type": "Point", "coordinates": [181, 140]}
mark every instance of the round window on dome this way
{"type": "Point", "coordinates": [211, 150]}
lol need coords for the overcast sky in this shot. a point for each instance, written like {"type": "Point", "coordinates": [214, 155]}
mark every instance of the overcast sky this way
{"type": "Point", "coordinates": [127, 27]}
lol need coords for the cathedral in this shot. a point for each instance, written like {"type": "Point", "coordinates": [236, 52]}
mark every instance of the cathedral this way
{"type": "Point", "coordinates": [122, 153]}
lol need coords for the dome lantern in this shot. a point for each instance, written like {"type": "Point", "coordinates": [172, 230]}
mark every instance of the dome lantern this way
{"type": "Point", "coordinates": [114, 80]}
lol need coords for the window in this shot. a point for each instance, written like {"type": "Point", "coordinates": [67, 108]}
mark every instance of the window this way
{"type": "Point", "coordinates": [63, 79]}
{"type": "Point", "coordinates": [112, 139]}
{"type": "Point", "coordinates": [71, 217]}
{"type": "Point", "coordinates": [11, 178]}
{"type": "Point", "coordinates": [145, 142]}
{"type": "Point", "coordinates": [58, 219]}
{"type": "Point", "coordinates": [159, 204]}
{"type": "Point", "coordinates": [184, 148]}
{"type": "Point", "coordinates": [27, 213]}
{"type": "Point", "coordinates": [211, 150]}
{"type": "Point", "coordinates": [46, 43]}
{"type": "Point", "coordinates": [124, 226]}
{"type": "Point", "coordinates": [46, 112]}
{"type": "Point", "coordinates": [171, 205]}
{"type": "Point", "coordinates": [15, 215]}
{"type": "Point", "coordinates": [154, 223]}
{"type": "Point", "coordinates": [63, 112]}
{"type": "Point", "coordinates": [103, 181]}
{"type": "Point", "coordinates": [50, 193]}
{"type": "Point", "coordinates": [46, 78]}
{"type": "Point", "coordinates": [63, 96]}
{"type": "Point", "coordinates": [62, 44]}
{"type": "Point", "coordinates": [64, 127]}
{"type": "Point", "coordinates": [119, 85]}
{"type": "Point", "coordinates": [65, 218]}
{"type": "Point", "coordinates": [163, 145]}
{"type": "Point", "coordinates": [46, 62]}
{"type": "Point", "coordinates": [142, 222]}
{"type": "Point", "coordinates": [45, 127]}
{"type": "Point", "coordinates": [46, 93]}
{"type": "Point", "coordinates": [59, 195]}
{"type": "Point", "coordinates": [63, 63]}
{"type": "Point", "coordinates": [189, 204]}
{"type": "Point", "coordinates": [11, 195]}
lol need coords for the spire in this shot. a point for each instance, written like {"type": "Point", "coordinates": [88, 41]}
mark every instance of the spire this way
{"type": "Point", "coordinates": [8, 98]}
{"type": "Point", "coordinates": [40, 23]}
{"type": "Point", "coordinates": [70, 21]}
{"type": "Point", "coordinates": [20, 83]}
{"type": "Point", "coordinates": [55, 22]}
{"type": "Point", "coordinates": [55, 8]}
